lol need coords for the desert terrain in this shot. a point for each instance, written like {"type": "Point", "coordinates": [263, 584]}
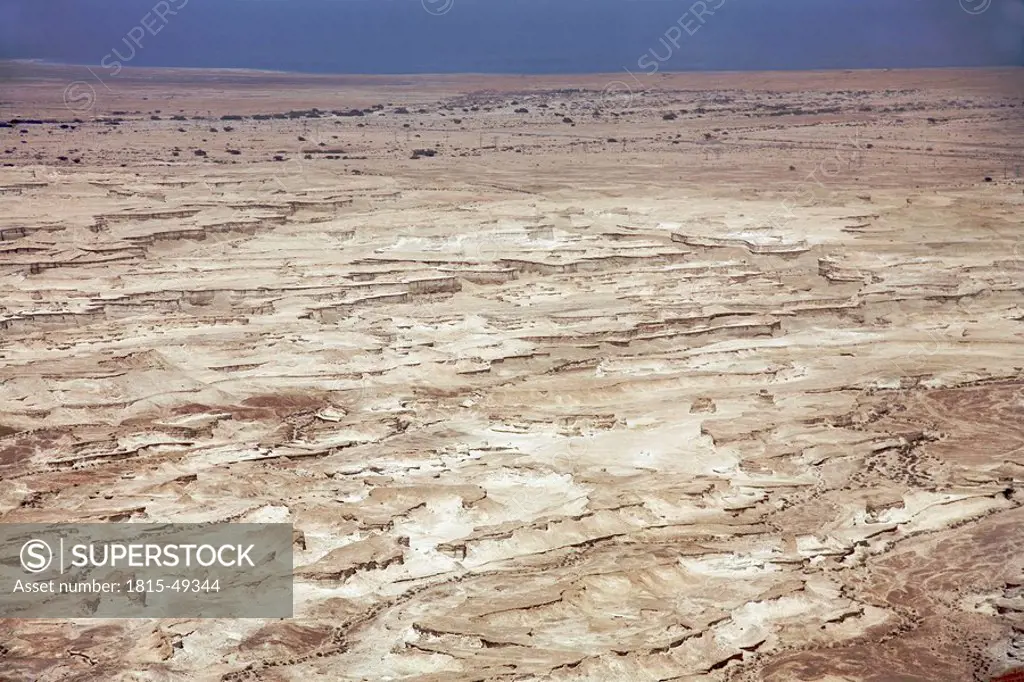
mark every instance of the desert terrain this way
{"type": "Point", "coordinates": [684, 377]}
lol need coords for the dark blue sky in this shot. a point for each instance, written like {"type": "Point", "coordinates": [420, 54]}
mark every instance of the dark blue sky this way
{"type": "Point", "coordinates": [516, 36]}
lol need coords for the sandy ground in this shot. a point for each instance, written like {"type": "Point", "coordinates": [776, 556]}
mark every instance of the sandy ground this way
{"type": "Point", "coordinates": [710, 377]}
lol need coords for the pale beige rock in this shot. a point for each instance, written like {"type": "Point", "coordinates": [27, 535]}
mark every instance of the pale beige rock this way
{"type": "Point", "coordinates": [606, 402]}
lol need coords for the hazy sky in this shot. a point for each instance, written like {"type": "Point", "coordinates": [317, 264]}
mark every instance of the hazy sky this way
{"type": "Point", "coordinates": [517, 36]}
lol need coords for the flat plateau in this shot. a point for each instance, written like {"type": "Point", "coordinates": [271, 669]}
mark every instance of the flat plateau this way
{"type": "Point", "coordinates": [692, 377]}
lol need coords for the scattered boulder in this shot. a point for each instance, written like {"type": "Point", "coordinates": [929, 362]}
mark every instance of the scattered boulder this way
{"type": "Point", "coordinates": [703, 405]}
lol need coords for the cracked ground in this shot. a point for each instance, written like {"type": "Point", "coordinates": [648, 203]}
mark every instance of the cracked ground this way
{"type": "Point", "coordinates": [735, 394]}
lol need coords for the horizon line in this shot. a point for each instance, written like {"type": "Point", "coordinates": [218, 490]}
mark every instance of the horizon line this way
{"type": "Point", "coordinates": [415, 74]}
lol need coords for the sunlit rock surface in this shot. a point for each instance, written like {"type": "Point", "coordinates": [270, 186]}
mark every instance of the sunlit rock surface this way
{"type": "Point", "coordinates": [626, 399]}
